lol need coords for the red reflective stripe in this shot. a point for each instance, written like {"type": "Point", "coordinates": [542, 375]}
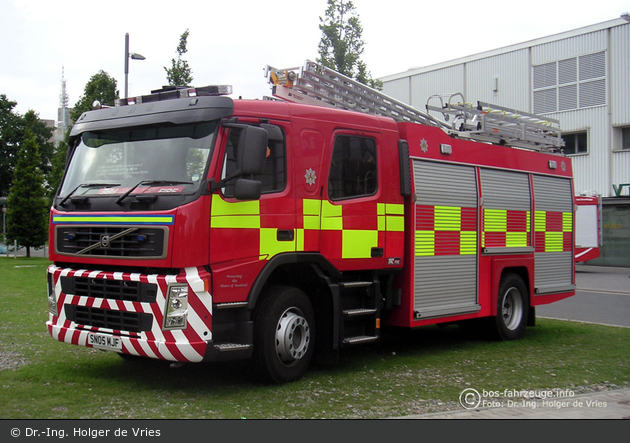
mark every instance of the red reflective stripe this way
{"type": "Point", "coordinates": [425, 218]}
{"type": "Point", "coordinates": [567, 241]}
{"type": "Point", "coordinates": [447, 243]}
{"type": "Point", "coordinates": [517, 221]}
{"type": "Point", "coordinates": [469, 219]}
{"type": "Point", "coordinates": [539, 238]}
{"type": "Point", "coordinates": [494, 239]}
{"type": "Point", "coordinates": [554, 222]}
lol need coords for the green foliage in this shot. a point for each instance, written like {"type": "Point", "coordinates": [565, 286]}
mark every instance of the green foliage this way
{"type": "Point", "coordinates": [43, 134]}
{"type": "Point", "coordinates": [12, 132]}
{"type": "Point", "coordinates": [180, 73]}
{"type": "Point", "coordinates": [27, 208]}
{"type": "Point", "coordinates": [100, 87]}
{"type": "Point", "coordinates": [58, 168]}
{"type": "Point", "coordinates": [341, 45]}
{"type": "Point", "coordinates": [10, 137]}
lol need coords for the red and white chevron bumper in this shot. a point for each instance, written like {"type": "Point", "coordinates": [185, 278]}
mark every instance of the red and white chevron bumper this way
{"type": "Point", "coordinates": [126, 312]}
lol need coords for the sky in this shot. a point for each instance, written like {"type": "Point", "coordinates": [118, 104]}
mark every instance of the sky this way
{"type": "Point", "coordinates": [231, 42]}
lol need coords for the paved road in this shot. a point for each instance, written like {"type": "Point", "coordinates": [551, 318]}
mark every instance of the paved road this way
{"type": "Point", "coordinates": [41, 252]}
{"type": "Point", "coordinates": [602, 296]}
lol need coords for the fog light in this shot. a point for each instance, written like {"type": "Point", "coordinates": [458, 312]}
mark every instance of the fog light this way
{"type": "Point", "coordinates": [176, 307]}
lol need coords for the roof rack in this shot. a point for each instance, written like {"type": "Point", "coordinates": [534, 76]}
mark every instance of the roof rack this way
{"type": "Point", "coordinates": [315, 84]}
{"type": "Point", "coordinates": [497, 124]}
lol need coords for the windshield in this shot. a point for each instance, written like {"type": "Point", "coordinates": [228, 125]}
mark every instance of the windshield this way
{"type": "Point", "coordinates": [148, 158]}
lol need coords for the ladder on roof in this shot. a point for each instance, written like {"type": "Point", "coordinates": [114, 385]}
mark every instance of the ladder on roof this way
{"type": "Point", "coordinates": [497, 124]}
{"type": "Point", "coordinates": [316, 84]}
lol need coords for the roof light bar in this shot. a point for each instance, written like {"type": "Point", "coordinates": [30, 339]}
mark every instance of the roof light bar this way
{"type": "Point", "coordinates": [172, 92]}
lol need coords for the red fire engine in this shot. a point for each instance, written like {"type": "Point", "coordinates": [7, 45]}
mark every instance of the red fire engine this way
{"type": "Point", "coordinates": [190, 227]}
{"type": "Point", "coordinates": [588, 227]}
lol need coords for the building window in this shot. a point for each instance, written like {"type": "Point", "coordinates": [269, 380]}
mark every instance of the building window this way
{"type": "Point", "coordinates": [625, 139]}
{"type": "Point", "coordinates": [575, 143]}
{"type": "Point", "coordinates": [573, 83]}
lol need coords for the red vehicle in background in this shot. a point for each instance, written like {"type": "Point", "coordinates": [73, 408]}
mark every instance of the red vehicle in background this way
{"type": "Point", "coordinates": [588, 227]}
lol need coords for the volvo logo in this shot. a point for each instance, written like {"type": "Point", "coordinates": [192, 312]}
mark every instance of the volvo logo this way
{"type": "Point", "coordinates": [105, 241]}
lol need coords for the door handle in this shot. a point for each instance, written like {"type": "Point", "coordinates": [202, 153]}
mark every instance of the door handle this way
{"type": "Point", "coordinates": [285, 235]}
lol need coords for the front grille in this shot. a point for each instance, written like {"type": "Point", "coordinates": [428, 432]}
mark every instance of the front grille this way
{"type": "Point", "coordinates": [106, 318]}
{"type": "Point", "coordinates": [109, 289]}
{"type": "Point", "coordinates": [111, 241]}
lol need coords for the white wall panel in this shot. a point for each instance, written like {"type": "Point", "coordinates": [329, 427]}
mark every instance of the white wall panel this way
{"type": "Point", "coordinates": [619, 80]}
{"type": "Point", "coordinates": [443, 81]}
{"type": "Point", "coordinates": [511, 71]}
{"type": "Point", "coordinates": [591, 171]}
{"type": "Point", "coordinates": [569, 47]}
{"type": "Point", "coordinates": [398, 89]}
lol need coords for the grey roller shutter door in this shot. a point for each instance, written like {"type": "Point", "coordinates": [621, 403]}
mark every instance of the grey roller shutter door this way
{"type": "Point", "coordinates": [445, 279]}
{"type": "Point", "coordinates": [506, 196]}
{"type": "Point", "coordinates": [554, 269]}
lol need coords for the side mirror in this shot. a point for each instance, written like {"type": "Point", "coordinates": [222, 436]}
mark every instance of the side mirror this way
{"type": "Point", "coordinates": [251, 150]}
{"type": "Point", "coordinates": [245, 189]}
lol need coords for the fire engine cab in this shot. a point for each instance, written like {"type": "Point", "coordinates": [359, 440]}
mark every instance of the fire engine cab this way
{"type": "Point", "coordinates": [192, 227]}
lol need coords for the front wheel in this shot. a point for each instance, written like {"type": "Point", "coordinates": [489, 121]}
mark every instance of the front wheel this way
{"type": "Point", "coordinates": [512, 308]}
{"type": "Point", "coordinates": [284, 334]}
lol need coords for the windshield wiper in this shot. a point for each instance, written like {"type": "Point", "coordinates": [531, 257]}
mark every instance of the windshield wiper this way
{"type": "Point", "coordinates": [87, 185]}
{"type": "Point", "coordinates": [151, 182]}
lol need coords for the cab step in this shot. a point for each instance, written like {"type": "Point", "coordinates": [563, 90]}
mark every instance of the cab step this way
{"type": "Point", "coordinates": [360, 339]}
{"type": "Point", "coordinates": [224, 347]}
{"type": "Point", "coordinates": [355, 284]}
{"type": "Point", "coordinates": [356, 312]}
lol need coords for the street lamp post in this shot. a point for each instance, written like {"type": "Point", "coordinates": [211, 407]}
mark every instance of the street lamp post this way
{"type": "Point", "coordinates": [128, 56]}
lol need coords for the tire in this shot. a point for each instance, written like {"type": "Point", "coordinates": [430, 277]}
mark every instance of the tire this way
{"type": "Point", "coordinates": [284, 335]}
{"type": "Point", "coordinates": [512, 308]}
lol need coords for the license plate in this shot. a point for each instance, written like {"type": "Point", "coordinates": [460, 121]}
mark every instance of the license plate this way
{"type": "Point", "coordinates": [103, 341]}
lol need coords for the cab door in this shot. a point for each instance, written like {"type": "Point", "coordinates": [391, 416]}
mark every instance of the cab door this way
{"type": "Point", "coordinates": [351, 235]}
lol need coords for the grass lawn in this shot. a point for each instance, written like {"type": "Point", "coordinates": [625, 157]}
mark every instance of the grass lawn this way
{"type": "Point", "coordinates": [408, 372]}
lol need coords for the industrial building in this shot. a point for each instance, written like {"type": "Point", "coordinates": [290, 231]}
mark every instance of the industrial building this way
{"type": "Point", "coordinates": [579, 77]}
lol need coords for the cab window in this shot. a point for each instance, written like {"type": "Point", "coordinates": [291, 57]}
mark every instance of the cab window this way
{"type": "Point", "coordinates": [353, 168]}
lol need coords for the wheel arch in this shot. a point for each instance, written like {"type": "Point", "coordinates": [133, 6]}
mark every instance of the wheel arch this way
{"type": "Point", "coordinates": [316, 277]}
{"type": "Point", "coordinates": [299, 270]}
{"type": "Point", "coordinates": [500, 268]}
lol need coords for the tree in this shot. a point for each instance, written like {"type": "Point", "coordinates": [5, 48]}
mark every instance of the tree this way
{"type": "Point", "coordinates": [180, 73]}
{"type": "Point", "coordinates": [100, 87]}
{"type": "Point", "coordinates": [341, 45]}
{"type": "Point", "coordinates": [10, 136]}
{"type": "Point", "coordinates": [43, 136]}
{"type": "Point", "coordinates": [27, 209]}
{"type": "Point", "coordinates": [13, 127]}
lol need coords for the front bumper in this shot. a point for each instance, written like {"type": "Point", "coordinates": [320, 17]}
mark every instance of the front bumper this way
{"type": "Point", "coordinates": [124, 312]}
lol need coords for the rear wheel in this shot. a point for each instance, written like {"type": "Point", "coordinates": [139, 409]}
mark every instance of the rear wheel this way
{"type": "Point", "coordinates": [284, 334]}
{"type": "Point", "coordinates": [512, 308]}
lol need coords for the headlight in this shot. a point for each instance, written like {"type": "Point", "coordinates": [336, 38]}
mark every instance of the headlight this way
{"type": "Point", "coordinates": [176, 307]}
